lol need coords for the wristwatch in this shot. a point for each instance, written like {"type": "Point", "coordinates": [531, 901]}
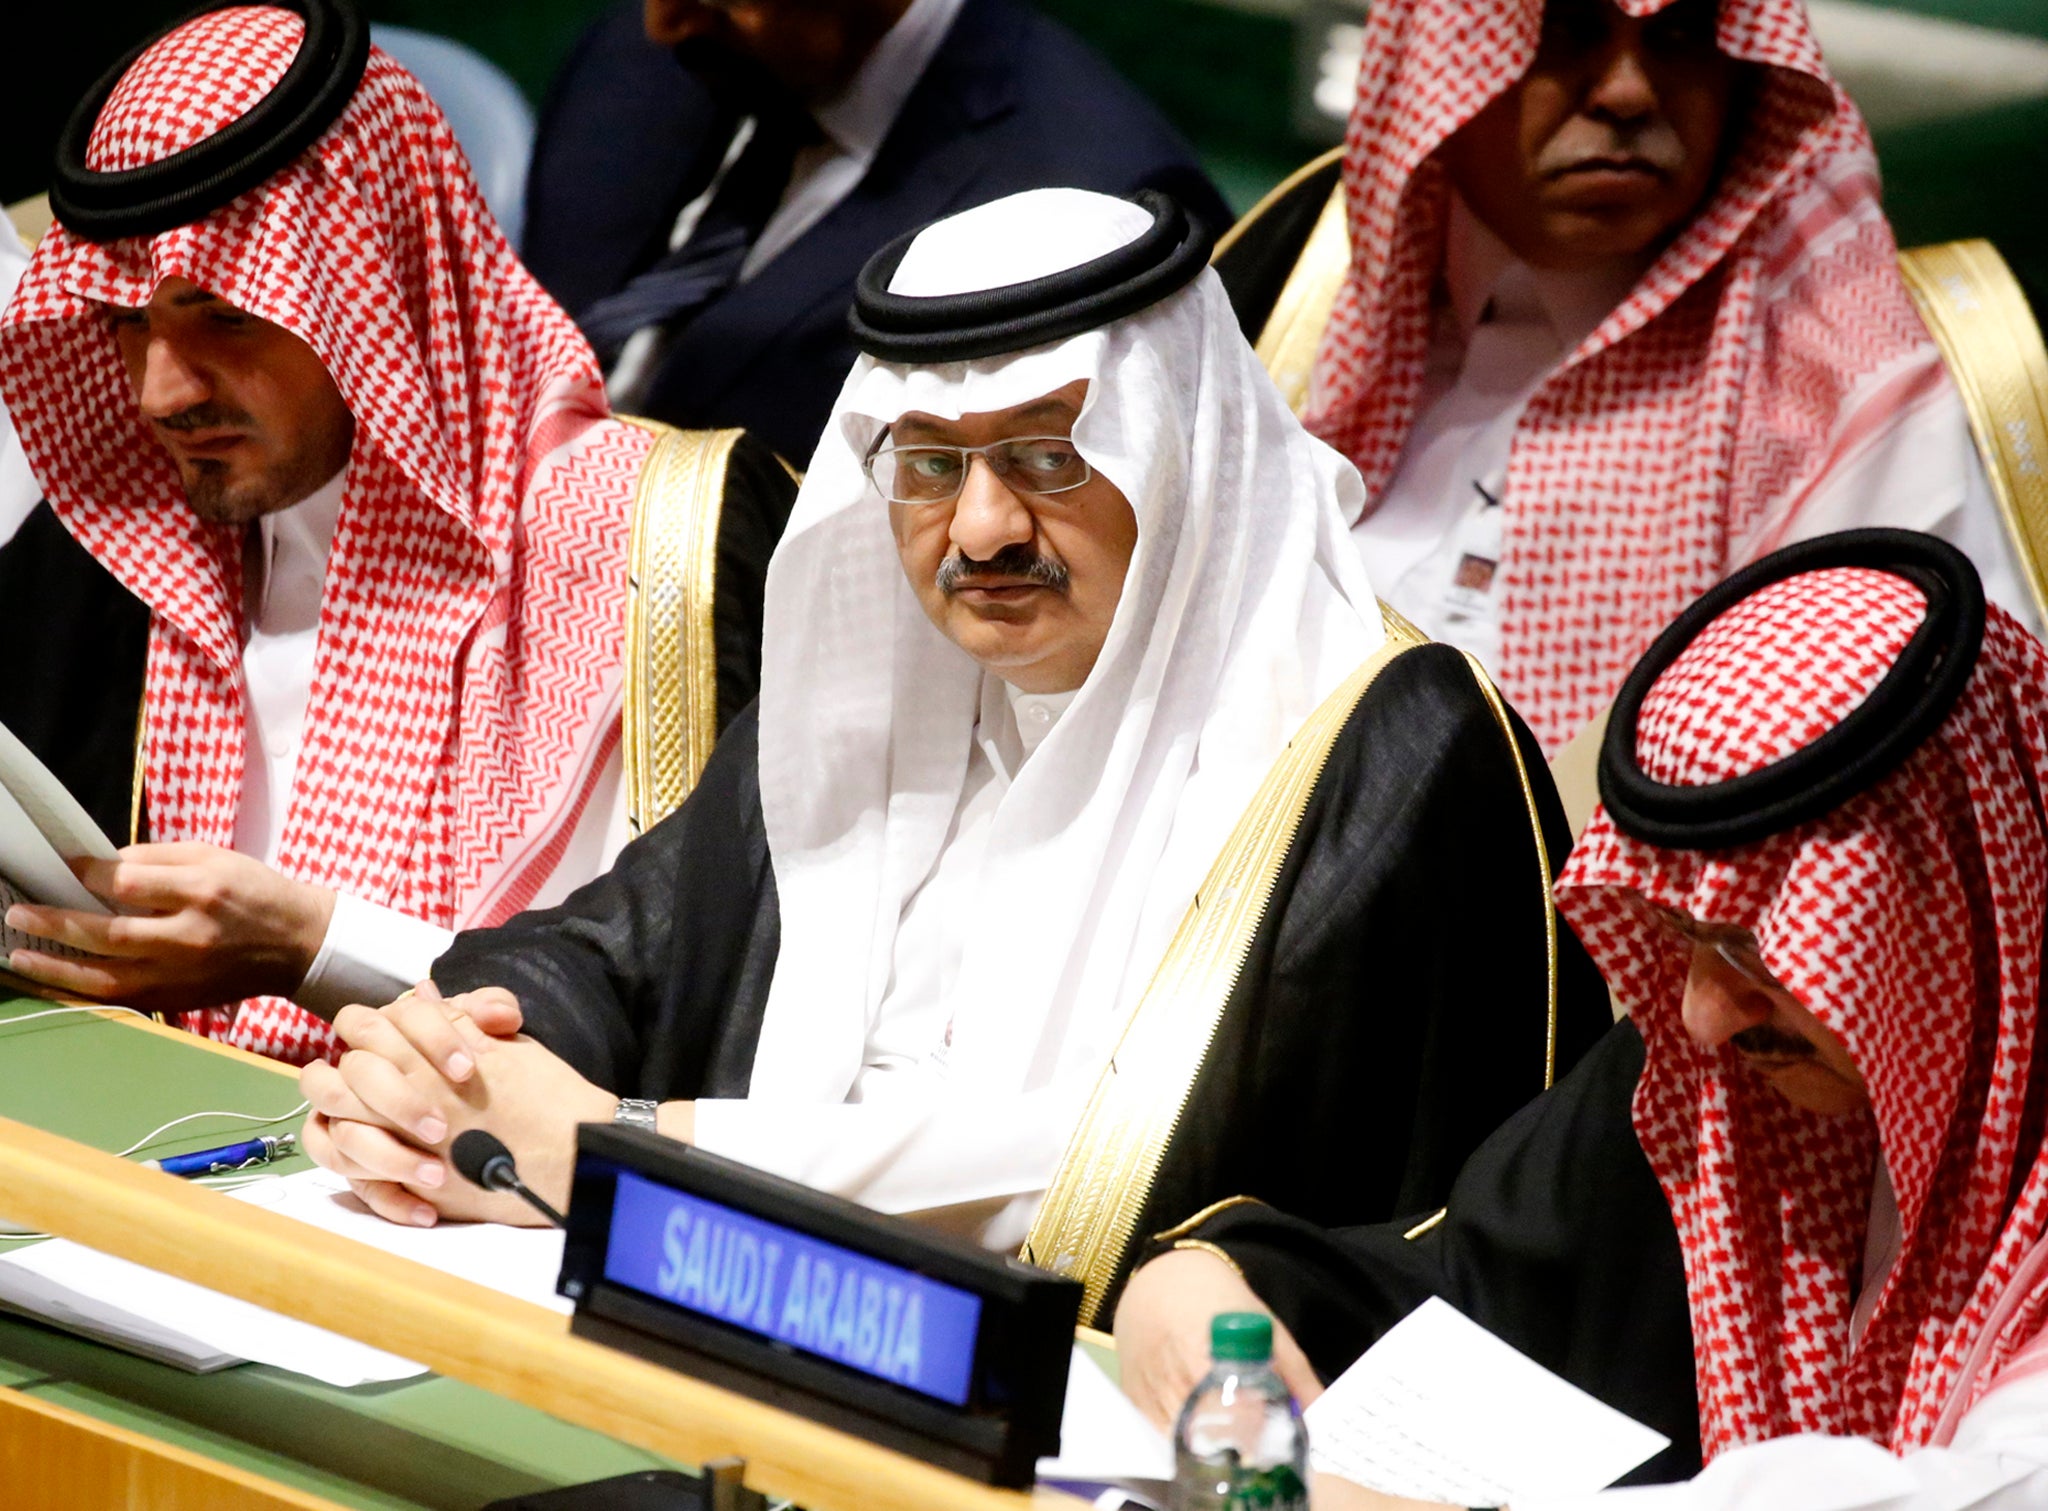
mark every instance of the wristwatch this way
{"type": "Point", "coordinates": [633, 1112]}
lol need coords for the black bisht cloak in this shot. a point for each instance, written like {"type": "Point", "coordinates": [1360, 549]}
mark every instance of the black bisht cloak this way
{"type": "Point", "coordinates": [1556, 1238]}
{"type": "Point", "coordinates": [1395, 1005]}
{"type": "Point", "coordinates": [75, 700]}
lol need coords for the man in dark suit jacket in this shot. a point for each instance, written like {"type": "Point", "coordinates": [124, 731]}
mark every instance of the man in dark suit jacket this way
{"type": "Point", "coordinates": [1008, 101]}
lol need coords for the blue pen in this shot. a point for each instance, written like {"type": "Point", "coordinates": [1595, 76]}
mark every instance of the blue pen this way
{"type": "Point", "coordinates": [255, 1151]}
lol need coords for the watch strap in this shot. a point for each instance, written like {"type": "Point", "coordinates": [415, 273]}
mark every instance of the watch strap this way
{"type": "Point", "coordinates": [637, 1112]}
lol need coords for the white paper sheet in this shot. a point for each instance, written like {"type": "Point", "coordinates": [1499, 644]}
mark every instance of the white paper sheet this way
{"type": "Point", "coordinates": [41, 825]}
{"type": "Point", "coordinates": [48, 804]}
{"type": "Point", "coordinates": [188, 1325]}
{"type": "Point", "coordinates": [24, 1290]}
{"type": "Point", "coordinates": [32, 864]}
{"type": "Point", "coordinates": [177, 1322]}
{"type": "Point", "coordinates": [1103, 1435]}
{"type": "Point", "coordinates": [1442, 1410]}
{"type": "Point", "coordinates": [521, 1262]}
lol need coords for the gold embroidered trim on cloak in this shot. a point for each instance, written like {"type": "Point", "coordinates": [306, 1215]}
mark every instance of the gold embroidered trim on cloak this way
{"type": "Point", "coordinates": [1507, 729]}
{"type": "Point", "coordinates": [1189, 1224]}
{"type": "Point", "coordinates": [141, 762]}
{"type": "Point", "coordinates": [1085, 1225]}
{"type": "Point", "coordinates": [135, 788]}
{"type": "Point", "coordinates": [1426, 1224]}
{"type": "Point", "coordinates": [1400, 626]}
{"type": "Point", "coordinates": [1203, 1246]}
{"type": "Point", "coordinates": [671, 693]}
{"type": "Point", "coordinates": [1268, 200]}
{"type": "Point", "coordinates": [1293, 332]}
{"type": "Point", "coordinates": [1979, 317]}
{"type": "Point", "coordinates": [1294, 326]}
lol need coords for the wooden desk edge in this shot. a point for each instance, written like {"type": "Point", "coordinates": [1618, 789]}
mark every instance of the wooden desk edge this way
{"type": "Point", "coordinates": [55, 1459]}
{"type": "Point", "coordinates": [465, 1331]}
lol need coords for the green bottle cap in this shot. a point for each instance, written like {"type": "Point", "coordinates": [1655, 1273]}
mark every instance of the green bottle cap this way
{"type": "Point", "coordinates": [1242, 1337]}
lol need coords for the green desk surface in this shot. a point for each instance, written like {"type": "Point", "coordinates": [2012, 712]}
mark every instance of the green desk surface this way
{"type": "Point", "coordinates": [423, 1443]}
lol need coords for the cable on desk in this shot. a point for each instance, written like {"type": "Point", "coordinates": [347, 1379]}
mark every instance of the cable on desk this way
{"type": "Point", "coordinates": [241, 1117]}
{"type": "Point", "coordinates": [55, 1012]}
{"type": "Point", "coordinates": [227, 1182]}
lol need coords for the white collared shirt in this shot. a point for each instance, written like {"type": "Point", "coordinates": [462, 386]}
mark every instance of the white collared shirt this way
{"type": "Point", "coordinates": [287, 569]}
{"type": "Point", "coordinates": [913, 1023]}
{"type": "Point", "coordinates": [1433, 545]}
{"type": "Point", "coordinates": [19, 491]}
{"type": "Point", "coordinates": [853, 125]}
{"type": "Point", "coordinates": [921, 1141]}
{"type": "Point", "coordinates": [1883, 1236]}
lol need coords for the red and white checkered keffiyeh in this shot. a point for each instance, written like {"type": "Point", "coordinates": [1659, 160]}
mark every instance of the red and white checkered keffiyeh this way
{"type": "Point", "coordinates": [467, 682]}
{"type": "Point", "coordinates": [1770, 341]}
{"type": "Point", "coordinates": [1909, 921]}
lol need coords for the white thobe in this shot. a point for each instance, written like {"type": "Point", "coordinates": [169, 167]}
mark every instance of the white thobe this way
{"type": "Point", "coordinates": [1433, 544]}
{"type": "Point", "coordinates": [19, 491]}
{"type": "Point", "coordinates": [911, 1136]}
{"type": "Point", "coordinates": [851, 125]}
{"type": "Point", "coordinates": [371, 953]}
{"type": "Point", "coordinates": [1998, 1461]}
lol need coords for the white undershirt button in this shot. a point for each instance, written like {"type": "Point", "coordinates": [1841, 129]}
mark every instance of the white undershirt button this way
{"type": "Point", "coordinates": [1035, 715]}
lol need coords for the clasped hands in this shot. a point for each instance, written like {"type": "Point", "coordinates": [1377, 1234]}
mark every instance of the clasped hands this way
{"type": "Point", "coordinates": [193, 926]}
{"type": "Point", "coordinates": [424, 1069]}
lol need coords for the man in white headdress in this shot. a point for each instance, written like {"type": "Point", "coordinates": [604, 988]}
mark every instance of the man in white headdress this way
{"type": "Point", "coordinates": [1065, 622]}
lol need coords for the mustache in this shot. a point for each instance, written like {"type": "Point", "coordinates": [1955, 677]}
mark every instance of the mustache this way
{"type": "Point", "coordinates": [1764, 1042]}
{"type": "Point", "coordinates": [208, 416]}
{"type": "Point", "coordinates": [1014, 563]}
{"type": "Point", "coordinates": [1655, 143]}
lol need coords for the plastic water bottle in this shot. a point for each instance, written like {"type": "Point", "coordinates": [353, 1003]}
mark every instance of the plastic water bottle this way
{"type": "Point", "coordinates": [1239, 1444]}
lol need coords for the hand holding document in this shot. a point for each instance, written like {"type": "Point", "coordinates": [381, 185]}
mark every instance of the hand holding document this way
{"type": "Point", "coordinates": [1442, 1410]}
{"type": "Point", "coordinates": [217, 926]}
{"type": "Point", "coordinates": [41, 827]}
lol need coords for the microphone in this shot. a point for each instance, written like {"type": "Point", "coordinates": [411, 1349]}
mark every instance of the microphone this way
{"type": "Point", "coordinates": [483, 1160]}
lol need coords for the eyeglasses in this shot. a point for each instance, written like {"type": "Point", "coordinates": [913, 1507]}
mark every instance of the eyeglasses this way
{"type": "Point", "coordinates": [1737, 948]}
{"type": "Point", "coordinates": [1034, 464]}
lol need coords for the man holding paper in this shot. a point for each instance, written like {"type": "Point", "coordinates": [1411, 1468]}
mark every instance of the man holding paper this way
{"type": "Point", "coordinates": [320, 452]}
{"type": "Point", "coordinates": [1795, 1214]}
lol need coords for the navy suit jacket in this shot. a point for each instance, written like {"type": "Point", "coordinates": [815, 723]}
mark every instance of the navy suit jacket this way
{"type": "Point", "coordinates": [1010, 101]}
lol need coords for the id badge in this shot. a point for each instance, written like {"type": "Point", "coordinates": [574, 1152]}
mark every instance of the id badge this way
{"type": "Point", "coordinates": [1474, 561]}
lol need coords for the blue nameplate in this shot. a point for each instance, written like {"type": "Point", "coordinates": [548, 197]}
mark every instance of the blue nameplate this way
{"type": "Point", "coordinates": [827, 1300]}
{"type": "Point", "coordinates": [870, 1323]}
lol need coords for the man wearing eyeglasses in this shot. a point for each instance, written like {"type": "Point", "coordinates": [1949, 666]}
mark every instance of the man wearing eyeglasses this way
{"type": "Point", "coordinates": [1794, 1213]}
{"type": "Point", "coordinates": [1020, 562]}
{"type": "Point", "coordinates": [1732, 998]}
{"type": "Point", "coordinates": [1080, 731]}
